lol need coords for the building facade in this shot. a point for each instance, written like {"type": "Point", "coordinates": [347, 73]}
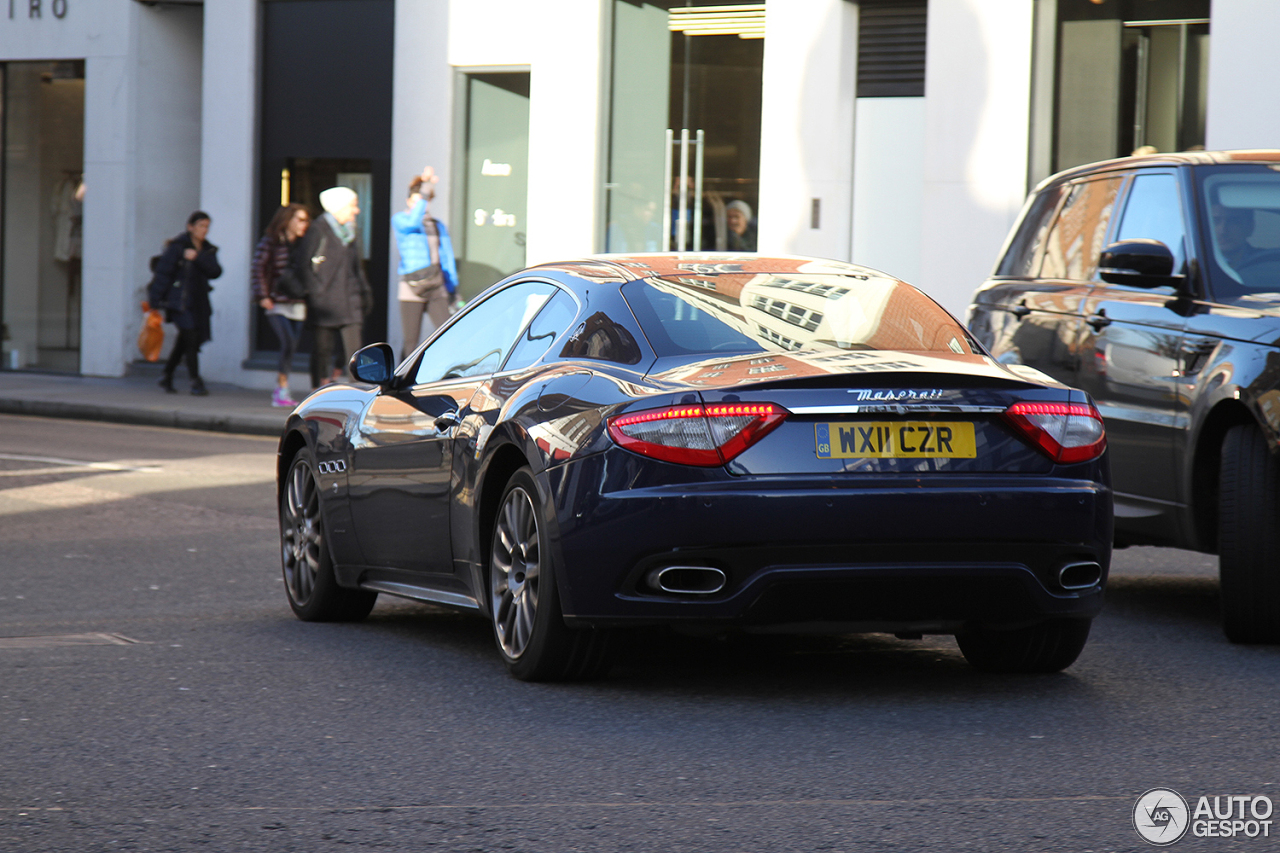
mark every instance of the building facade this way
{"type": "Point", "coordinates": [902, 134]}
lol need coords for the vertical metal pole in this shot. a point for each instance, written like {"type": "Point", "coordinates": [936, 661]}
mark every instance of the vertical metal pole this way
{"type": "Point", "coordinates": [682, 236]}
{"type": "Point", "coordinates": [666, 191]}
{"type": "Point", "coordinates": [1140, 99]}
{"type": "Point", "coordinates": [697, 191]}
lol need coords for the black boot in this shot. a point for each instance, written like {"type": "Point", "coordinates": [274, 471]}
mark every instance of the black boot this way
{"type": "Point", "coordinates": [166, 382]}
{"type": "Point", "coordinates": [197, 387]}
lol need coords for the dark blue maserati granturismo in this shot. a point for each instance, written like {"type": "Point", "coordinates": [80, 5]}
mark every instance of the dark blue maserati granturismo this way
{"type": "Point", "coordinates": [734, 443]}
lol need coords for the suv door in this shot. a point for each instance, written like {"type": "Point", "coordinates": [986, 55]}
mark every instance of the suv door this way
{"type": "Point", "coordinates": [1131, 362]}
{"type": "Point", "coordinates": [1030, 312]}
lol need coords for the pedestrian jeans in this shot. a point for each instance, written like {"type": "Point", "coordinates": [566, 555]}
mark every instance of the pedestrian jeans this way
{"type": "Point", "coordinates": [332, 346]}
{"type": "Point", "coordinates": [186, 346]}
{"type": "Point", "coordinates": [287, 331]}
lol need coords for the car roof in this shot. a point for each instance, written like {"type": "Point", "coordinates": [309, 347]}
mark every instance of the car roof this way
{"type": "Point", "coordinates": [1176, 158]}
{"type": "Point", "coordinates": [623, 268]}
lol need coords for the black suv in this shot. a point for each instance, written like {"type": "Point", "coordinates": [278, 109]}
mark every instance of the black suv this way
{"type": "Point", "coordinates": [1153, 283]}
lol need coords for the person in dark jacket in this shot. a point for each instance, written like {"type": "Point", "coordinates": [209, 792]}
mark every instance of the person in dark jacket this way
{"type": "Point", "coordinates": [338, 295]}
{"type": "Point", "coordinates": [188, 263]}
{"type": "Point", "coordinates": [272, 270]}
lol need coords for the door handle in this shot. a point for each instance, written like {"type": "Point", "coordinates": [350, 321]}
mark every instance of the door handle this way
{"type": "Point", "coordinates": [1098, 321]}
{"type": "Point", "coordinates": [447, 421]}
{"type": "Point", "coordinates": [1020, 310]}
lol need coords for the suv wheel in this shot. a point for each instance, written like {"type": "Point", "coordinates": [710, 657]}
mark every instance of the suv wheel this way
{"type": "Point", "coordinates": [1249, 537]}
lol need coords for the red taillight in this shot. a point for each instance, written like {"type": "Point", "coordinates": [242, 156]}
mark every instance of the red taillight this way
{"type": "Point", "coordinates": [695, 434]}
{"type": "Point", "coordinates": [1066, 432]}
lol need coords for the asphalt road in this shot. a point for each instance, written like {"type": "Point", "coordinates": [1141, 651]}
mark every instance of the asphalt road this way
{"type": "Point", "coordinates": [164, 698]}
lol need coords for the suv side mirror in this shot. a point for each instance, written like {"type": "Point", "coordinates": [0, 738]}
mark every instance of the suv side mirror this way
{"type": "Point", "coordinates": [374, 364]}
{"type": "Point", "coordinates": [1139, 263]}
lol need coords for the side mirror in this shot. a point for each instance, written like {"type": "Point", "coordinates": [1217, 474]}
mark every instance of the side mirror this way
{"type": "Point", "coordinates": [1139, 263]}
{"type": "Point", "coordinates": [374, 364]}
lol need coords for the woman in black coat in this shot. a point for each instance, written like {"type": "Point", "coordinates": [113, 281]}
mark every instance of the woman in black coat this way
{"type": "Point", "coordinates": [188, 262]}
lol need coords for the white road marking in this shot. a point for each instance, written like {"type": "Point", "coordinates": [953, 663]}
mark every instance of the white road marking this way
{"type": "Point", "coordinates": [78, 463]}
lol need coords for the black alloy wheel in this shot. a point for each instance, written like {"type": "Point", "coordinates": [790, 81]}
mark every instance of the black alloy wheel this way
{"type": "Point", "coordinates": [1049, 646]}
{"type": "Point", "coordinates": [1249, 537]}
{"type": "Point", "coordinates": [524, 604]}
{"type": "Point", "coordinates": [313, 590]}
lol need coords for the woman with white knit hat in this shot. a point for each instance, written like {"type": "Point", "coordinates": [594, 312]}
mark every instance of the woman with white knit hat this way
{"type": "Point", "coordinates": [338, 294]}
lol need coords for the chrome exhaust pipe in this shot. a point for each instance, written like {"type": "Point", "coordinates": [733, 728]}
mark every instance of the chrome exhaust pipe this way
{"type": "Point", "coordinates": [688, 580]}
{"type": "Point", "coordinates": [1079, 575]}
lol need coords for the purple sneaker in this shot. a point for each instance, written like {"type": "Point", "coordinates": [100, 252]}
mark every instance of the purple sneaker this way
{"type": "Point", "coordinates": [280, 397]}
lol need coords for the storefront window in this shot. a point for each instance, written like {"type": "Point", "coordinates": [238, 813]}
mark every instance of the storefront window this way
{"type": "Point", "coordinates": [42, 108]}
{"type": "Point", "coordinates": [684, 155]}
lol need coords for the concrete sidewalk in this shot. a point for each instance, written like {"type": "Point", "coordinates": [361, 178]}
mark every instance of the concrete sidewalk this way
{"type": "Point", "coordinates": [138, 400]}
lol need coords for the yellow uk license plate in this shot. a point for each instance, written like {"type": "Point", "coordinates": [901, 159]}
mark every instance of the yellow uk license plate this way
{"type": "Point", "coordinates": [896, 440]}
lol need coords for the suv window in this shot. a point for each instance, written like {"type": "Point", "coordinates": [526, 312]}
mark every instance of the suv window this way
{"type": "Point", "coordinates": [1076, 239]}
{"type": "Point", "coordinates": [1153, 211]}
{"type": "Point", "coordinates": [480, 339]}
{"type": "Point", "coordinates": [1018, 260]}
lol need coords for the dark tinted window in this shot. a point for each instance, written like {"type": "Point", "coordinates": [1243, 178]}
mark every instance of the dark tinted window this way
{"type": "Point", "coordinates": [1076, 239]}
{"type": "Point", "coordinates": [478, 341]}
{"type": "Point", "coordinates": [602, 338]}
{"type": "Point", "coordinates": [755, 312]}
{"type": "Point", "coordinates": [547, 328]}
{"type": "Point", "coordinates": [1020, 256]}
{"type": "Point", "coordinates": [1240, 223]}
{"type": "Point", "coordinates": [1153, 211]}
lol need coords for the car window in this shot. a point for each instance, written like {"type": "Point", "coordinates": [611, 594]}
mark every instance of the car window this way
{"type": "Point", "coordinates": [1021, 254]}
{"type": "Point", "coordinates": [1240, 221]}
{"type": "Point", "coordinates": [1076, 239]}
{"type": "Point", "coordinates": [1153, 211]}
{"type": "Point", "coordinates": [480, 339]}
{"type": "Point", "coordinates": [547, 328]}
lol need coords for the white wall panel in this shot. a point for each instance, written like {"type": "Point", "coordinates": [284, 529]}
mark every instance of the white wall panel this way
{"type": "Point", "coordinates": [806, 141]}
{"type": "Point", "coordinates": [1244, 103]}
{"type": "Point", "coordinates": [977, 112]}
{"type": "Point", "coordinates": [422, 120]}
{"type": "Point", "coordinates": [228, 179]}
{"type": "Point", "coordinates": [888, 185]}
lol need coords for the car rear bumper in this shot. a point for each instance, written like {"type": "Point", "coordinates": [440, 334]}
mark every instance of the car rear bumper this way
{"type": "Point", "coordinates": [897, 553]}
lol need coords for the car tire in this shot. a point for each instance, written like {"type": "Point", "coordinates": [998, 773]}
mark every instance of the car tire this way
{"type": "Point", "coordinates": [524, 603]}
{"type": "Point", "coordinates": [1249, 537]}
{"type": "Point", "coordinates": [309, 581]}
{"type": "Point", "coordinates": [1049, 646]}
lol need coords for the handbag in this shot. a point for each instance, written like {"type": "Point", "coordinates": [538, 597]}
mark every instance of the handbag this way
{"type": "Point", "coordinates": [422, 282]}
{"type": "Point", "coordinates": [289, 284]}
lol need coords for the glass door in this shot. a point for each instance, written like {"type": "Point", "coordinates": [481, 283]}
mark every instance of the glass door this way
{"type": "Point", "coordinates": [42, 107]}
{"type": "Point", "coordinates": [684, 151]}
{"type": "Point", "coordinates": [490, 242]}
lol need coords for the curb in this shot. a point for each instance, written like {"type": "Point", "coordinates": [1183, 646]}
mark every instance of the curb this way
{"type": "Point", "coordinates": [242, 424]}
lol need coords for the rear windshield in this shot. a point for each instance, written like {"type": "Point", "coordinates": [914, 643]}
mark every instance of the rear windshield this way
{"type": "Point", "coordinates": [747, 313]}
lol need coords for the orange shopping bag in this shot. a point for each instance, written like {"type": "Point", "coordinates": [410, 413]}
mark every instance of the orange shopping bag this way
{"type": "Point", "coordinates": [151, 338]}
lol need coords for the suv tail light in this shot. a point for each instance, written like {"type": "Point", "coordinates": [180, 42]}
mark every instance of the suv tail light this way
{"type": "Point", "coordinates": [1066, 432]}
{"type": "Point", "coordinates": [706, 436]}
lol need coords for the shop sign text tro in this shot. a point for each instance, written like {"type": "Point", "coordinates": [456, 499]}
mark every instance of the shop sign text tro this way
{"type": "Point", "coordinates": [37, 8]}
